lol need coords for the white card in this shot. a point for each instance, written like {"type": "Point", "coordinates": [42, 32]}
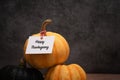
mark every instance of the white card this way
{"type": "Point", "coordinates": [36, 45]}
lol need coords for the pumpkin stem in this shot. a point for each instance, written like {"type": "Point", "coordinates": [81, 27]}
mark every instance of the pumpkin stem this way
{"type": "Point", "coordinates": [43, 27]}
{"type": "Point", "coordinates": [45, 23]}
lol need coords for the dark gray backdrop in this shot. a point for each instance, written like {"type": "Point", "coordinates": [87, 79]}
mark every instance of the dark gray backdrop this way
{"type": "Point", "coordinates": [92, 28]}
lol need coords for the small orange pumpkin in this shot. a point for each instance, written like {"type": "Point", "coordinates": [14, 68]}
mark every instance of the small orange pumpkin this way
{"type": "Point", "coordinates": [59, 54]}
{"type": "Point", "coordinates": [66, 72]}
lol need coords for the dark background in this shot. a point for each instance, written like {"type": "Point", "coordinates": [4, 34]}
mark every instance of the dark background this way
{"type": "Point", "coordinates": [91, 27]}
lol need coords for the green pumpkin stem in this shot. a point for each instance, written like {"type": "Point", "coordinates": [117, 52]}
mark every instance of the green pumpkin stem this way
{"type": "Point", "coordinates": [22, 63]}
{"type": "Point", "coordinates": [45, 23]}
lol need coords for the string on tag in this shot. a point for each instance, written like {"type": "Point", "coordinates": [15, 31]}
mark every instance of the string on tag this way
{"type": "Point", "coordinates": [42, 33]}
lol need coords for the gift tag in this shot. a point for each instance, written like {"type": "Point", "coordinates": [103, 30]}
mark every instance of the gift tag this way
{"type": "Point", "coordinates": [36, 45]}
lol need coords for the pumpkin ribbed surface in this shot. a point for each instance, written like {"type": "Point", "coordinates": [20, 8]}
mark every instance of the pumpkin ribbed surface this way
{"type": "Point", "coordinates": [59, 54]}
{"type": "Point", "coordinates": [66, 72]}
{"type": "Point", "coordinates": [12, 72]}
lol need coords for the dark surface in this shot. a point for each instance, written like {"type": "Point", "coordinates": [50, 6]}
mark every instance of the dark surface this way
{"type": "Point", "coordinates": [92, 28]}
{"type": "Point", "coordinates": [103, 76]}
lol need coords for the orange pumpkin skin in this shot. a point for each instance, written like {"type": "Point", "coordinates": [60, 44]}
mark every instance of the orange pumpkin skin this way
{"type": "Point", "coordinates": [66, 72]}
{"type": "Point", "coordinates": [59, 54]}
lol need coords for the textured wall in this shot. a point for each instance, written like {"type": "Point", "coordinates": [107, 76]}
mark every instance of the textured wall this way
{"type": "Point", "coordinates": [90, 26]}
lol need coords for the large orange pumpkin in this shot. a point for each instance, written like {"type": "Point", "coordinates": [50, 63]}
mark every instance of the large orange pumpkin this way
{"type": "Point", "coordinates": [66, 72]}
{"type": "Point", "coordinates": [59, 54]}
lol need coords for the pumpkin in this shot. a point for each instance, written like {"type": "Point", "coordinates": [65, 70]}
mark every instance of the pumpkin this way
{"type": "Point", "coordinates": [12, 72]}
{"type": "Point", "coordinates": [59, 54]}
{"type": "Point", "coordinates": [66, 72]}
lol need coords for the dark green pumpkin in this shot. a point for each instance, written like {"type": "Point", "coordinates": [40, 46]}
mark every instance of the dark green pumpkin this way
{"type": "Point", "coordinates": [11, 72]}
